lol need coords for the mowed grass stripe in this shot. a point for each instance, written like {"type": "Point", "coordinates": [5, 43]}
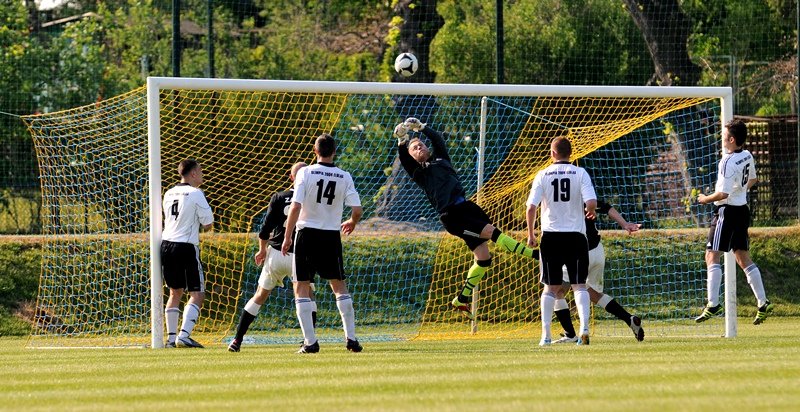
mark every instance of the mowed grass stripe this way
{"type": "Point", "coordinates": [759, 369]}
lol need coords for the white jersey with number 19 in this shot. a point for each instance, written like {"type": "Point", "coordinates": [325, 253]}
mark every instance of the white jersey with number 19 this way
{"type": "Point", "coordinates": [563, 188]}
{"type": "Point", "coordinates": [323, 190]}
{"type": "Point", "coordinates": [185, 210]}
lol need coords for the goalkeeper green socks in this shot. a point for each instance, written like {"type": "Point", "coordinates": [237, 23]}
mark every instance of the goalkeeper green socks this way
{"type": "Point", "coordinates": [510, 245]}
{"type": "Point", "coordinates": [474, 277]}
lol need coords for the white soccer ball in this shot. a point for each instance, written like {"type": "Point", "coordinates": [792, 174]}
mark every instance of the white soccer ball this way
{"type": "Point", "coordinates": [406, 64]}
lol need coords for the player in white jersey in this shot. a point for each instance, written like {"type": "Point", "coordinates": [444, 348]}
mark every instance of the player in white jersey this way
{"type": "Point", "coordinates": [562, 189]}
{"type": "Point", "coordinates": [735, 176]}
{"type": "Point", "coordinates": [185, 212]}
{"type": "Point", "coordinates": [321, 192]}
{"type": "Point", "coordinates": [277, 266]}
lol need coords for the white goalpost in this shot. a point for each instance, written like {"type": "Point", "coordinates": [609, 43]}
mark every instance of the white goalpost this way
{"type": "Point", "coordinates": [156, 86]}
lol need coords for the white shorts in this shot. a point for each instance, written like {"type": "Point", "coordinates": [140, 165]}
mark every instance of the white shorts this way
{"type": "Point", "coordinates": [597, 265]}
{"type": "Point", "coordinates": [276, 268]}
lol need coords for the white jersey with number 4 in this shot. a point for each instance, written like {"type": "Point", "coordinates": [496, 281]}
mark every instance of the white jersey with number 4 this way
{"type": "Point", "coordinates": [323, 190]}
{"type": "Point", "coordinates": [185, 210]}
{"type": "Point", "coordinates": [735, 169]}
{"type": "Point", "coordinates": [562, 188]}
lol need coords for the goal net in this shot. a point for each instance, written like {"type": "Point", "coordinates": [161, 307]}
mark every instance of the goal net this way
{"type": "Point", "coordinates": [645, 148]}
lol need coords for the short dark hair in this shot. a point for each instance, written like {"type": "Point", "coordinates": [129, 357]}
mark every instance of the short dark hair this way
{"type": "Point", "coordinates": [738, 129]}
{"type": "Point", "coordinates": [325, 145]}
{"type": "Point", "coordinates": [562, 146]}
{"type": "Point", "coordinates": [186, 166]}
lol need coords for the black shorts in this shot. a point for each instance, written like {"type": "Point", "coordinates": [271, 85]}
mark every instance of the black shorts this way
{"type": "Point", "coordinates": [729, 229]}
{"type": "Point", "coordinates": [466, 220]}
{"type": "Point", "coordinates": [564, 248]}
{"type": "Point", "coordinates": [181, 266]}
{"type": "Point", "coordinates": [317, 252]}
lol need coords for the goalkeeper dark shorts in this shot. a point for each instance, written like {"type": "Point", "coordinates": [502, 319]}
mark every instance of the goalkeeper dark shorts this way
{"type": "Point", "coordinates": [181, 266]}
{"type": "Point", "coordinates": [729, 229]}
{"type": "Point", "coordinates": [559, 249]}
{"type": "Point", "coordinates": [317, 252]}
{"type": "Point", "coordinates": [466, 220]}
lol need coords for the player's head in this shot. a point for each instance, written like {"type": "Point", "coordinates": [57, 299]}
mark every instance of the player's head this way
{"type": "Point", "coordinates": [418, 150]}
{"type": "Point", "coordinates": [296, 168]}
{"type": "Point", "coordinates": [325, 145]}
{"type": "Point", "coordinates": [561, 148]}
{"type": "Point", "coordinates": [190, 172]}
{"type": "Point", "coordinates": [736, 129]}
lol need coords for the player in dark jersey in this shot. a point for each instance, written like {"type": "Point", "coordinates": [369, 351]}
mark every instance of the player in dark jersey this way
{"type": "Point", "coordinates": [594, 282]}
{"type": "Point", "coordinates": [434, 173]}
{"type": "Point", "coordinates": [276, 265]}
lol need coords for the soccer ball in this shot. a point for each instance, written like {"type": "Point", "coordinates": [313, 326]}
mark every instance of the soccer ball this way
{"type": "Point", "coordinates": [406, 64]}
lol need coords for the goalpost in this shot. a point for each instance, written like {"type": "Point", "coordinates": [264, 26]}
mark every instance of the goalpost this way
{"type": "Point", "coordinates": [646, 149]}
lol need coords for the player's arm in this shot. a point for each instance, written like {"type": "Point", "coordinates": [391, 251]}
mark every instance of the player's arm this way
{"type": "Point", "coordinates": [437, 142]}
{"type": "Point", "coordinates": [406, 160]}
{"type": "Point", "coordinates": [530, 219]}
{"type": "Point", "coordinates": [355, 216]}
{"type": "Point", "coordinates": [353, 200]}
{"type": "Point", "coordinates": [617, 217]}
{"type": "Point", "coordinates": [591, 208]}
{"type": "Point", "coordinates": [291, 222]}
{"type": "Point", "coordinates": [271, 221]}
{"type": "Point", "coordinates": [589, 195]}
{"type": "Point", "coordinates": [204, 213]}
{"type": "Point", "coordinates": [716, 196]}
{"type": "Point", "coordinates": [752, 182]}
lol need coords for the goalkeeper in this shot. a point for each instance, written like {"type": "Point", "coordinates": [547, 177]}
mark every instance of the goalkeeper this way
{"type": "Point", "coordinates": [434, 173]}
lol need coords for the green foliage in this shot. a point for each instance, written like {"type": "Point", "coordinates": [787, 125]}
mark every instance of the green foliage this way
{"type": "Point", "coordinates": [20, 265]}
{"type": "Point", "coordinates": [546, 42]}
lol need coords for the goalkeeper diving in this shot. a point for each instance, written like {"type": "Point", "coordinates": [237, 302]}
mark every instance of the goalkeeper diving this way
{"type": "Point", "coordinates": [434, 173]}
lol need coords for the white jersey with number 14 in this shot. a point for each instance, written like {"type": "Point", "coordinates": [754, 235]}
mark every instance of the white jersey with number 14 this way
{"type": "Point", "coordinates": [323, 190]}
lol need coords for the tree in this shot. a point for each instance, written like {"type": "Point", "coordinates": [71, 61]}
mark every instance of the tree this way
{"type": "Point", "coordinates": [666, 29]}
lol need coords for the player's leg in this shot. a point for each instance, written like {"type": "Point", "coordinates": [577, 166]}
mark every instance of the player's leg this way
{"type": "Point", "coordinates": [251, 309]}
{"type": "Point", "coordinates": [191, 314]}
{"type": "Point", "coordinates": [552, 261]}
{"type": "Point", "coordinates": [594, 285]}
{"type": "Point", "coordinates": [508, 243]}
{"type": "Point", "coordinates": [173, 273]}
{"type": "Point", "coordinates": [483, 259]}
{"type": "Point", "coordinates": [303, 271]}
{"type": "Point", "coordinates": [578, 269]}
{"type": "Point", "coordinates": [753, 274]}
{"type": "Point", "coordinates": [171, 315]}
{"type": "Point", "coordinates": [561, 310]}
{"type": "Point", "coordinates": [195, 286]}
{"type": "Point", "coordinates": [719, 241]}
{"type": "Point", "coordinates": [344, 302]}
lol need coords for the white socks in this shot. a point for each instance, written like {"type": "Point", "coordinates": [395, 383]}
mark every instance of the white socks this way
{"type": "Point", "coordinates": [345, 305]}
{"type": "Point", "coordinates": [190, 314]}
{"type": "Point", "coordinates": [584, 305]}
{"type": "Point", "coordinates": [547, 306]}
{"type": "Point", "coordinates": [714, 280]}
{"type": "Point", "coordinates": [304, 308]}
{"type": "Point", "coordinates": [754, 279]}
{"type": "Point", "coordinates": [252, 307]}
{"type": "Point", "coordinates": [171, 315]}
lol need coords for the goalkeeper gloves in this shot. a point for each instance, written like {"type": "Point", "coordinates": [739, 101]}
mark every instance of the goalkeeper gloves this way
{"type": "Point", "coordinates": [401, 133]}
{"type": "Point", "coordinates": [412, 123]}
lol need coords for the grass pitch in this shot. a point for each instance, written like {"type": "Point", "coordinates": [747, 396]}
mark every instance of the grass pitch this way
{"type": "Point", "coordinates": [759, 370]}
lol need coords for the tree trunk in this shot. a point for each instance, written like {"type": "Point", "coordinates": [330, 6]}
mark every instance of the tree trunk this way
{"type": "Point", "coordinates": [666, 31]}
{"type": "Point", "coordinates": [401, 200]}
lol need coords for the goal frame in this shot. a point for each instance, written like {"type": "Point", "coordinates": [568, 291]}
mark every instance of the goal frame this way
{"type": "Point", "coordinates": [156, 84]}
